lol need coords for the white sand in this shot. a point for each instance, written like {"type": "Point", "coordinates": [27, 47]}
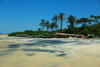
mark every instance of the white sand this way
{"type": "Point", "coordinates": [39, 52]}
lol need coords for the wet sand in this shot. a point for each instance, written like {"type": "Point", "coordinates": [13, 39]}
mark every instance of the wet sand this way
{"type": "Point", "coordinates": [39, 52]}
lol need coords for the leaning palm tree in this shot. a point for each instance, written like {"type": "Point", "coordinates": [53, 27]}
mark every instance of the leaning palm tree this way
{"type": "Point", "coordinates": [42, 23]}
{"type": "Point", "coordinates": [61, 18]}
{"type": "Point", "coordinates": [55, 19]}
{"type": "Point", "coordinates": [71, 19]}
{"type": "Point", "coordinates": [47, 25]}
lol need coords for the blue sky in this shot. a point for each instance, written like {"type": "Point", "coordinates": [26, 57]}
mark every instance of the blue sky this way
{"type": "Point", "coordinates": [21, 15]}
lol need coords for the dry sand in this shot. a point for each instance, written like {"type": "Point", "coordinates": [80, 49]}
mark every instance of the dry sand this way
{"type": "Point", "coordinates": [38, 52]}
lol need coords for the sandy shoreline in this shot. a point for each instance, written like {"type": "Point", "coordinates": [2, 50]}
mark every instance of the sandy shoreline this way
{"type": "Point", "coordinates": [39, 52]}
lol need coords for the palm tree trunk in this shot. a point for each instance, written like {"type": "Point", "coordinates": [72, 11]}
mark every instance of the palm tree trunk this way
{"type": "Point", "coordinates": [61, 24]}
{"type": "Point", "coordinates": [47, 29]}
{"type": "Point", "coordinates": [43, 28]}
{"type": "Point", "coordinates": [56, 25]}
{"type": "Point", "coordinates": [72, 24]}
{"type": "Point", "coordinates": [52, 29]}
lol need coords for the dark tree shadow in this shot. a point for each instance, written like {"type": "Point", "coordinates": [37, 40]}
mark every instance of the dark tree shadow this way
{"type": "Point", "coordinates": [60, 55]}
{"type": "Point", "coordinates": [14, 46]}
{"type": "Point", "coordinates": [6, 52]}
{"type": "Point", "coordinates": [30, 54]}
{"type": "Point", "coordinates": [41, 50]}
{"type": "Point", "coordinates": [45, 43]}
{"type": "Point", "coordinates": [44, 50]}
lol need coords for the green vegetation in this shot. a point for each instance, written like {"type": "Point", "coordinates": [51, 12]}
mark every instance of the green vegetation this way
{"type": "Point", "coordinates": [30, 32]}
{"type": "Point", "coordinates": [85, 28]}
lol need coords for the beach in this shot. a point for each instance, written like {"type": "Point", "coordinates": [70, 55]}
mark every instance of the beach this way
{"type": "Point", "coordinates": [49, 52]}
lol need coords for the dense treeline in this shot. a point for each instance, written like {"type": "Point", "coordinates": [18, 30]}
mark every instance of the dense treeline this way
{"type": "Point", "coordinates": [30, 32]}
{"type": "Point", "coordinates": [85, 28]}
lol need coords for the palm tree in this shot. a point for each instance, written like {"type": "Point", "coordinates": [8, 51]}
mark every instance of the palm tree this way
{"type": "Point", "coordinates": [55, 19]}
{"type": "Point", "coordinates": [55, 25]}
{"type": "Point", "coordinates": [71, 19]}
{"type": "Point", "coordinates": [51, 26]}
{"type": "Point", "coordinates": [61, 18]}
{"type": "Point", "coordinates": [42, 23]}
{"type": "Point", "coordinates": [39, 29]}
{"type": "Point", "coordinates": [47, 25]}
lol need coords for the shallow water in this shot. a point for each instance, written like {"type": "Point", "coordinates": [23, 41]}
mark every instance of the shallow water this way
{"type": "Point", "coordinates": [38, 52]}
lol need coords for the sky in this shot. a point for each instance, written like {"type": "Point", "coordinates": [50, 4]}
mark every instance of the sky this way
{"type": "Point", "coordinates": [21, 15]}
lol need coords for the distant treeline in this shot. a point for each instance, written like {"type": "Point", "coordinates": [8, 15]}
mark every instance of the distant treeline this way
{"type": "Point", "coordinates": [85, 28]}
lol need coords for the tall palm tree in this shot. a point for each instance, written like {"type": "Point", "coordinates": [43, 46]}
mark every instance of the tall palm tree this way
{"type": "Point", "coordinates": [61, 18]}
{"type": "Point", "coordinates": [47, 25]}
{"type": "Point", "coordinates": [55, 19]}
{"type": "Point", "coordinates": [42, 23]}
{"type": "Point", "coordinates": [71, 19]}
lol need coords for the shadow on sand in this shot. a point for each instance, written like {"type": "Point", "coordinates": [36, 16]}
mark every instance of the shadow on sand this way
{"type": "Point", "coordinates": [14, 46]}
{"type": "Point", "coordinates": [43, 50]}
{"type": "Point", "coordinates": [41, 43]}
{"type": "Point", "coordinates": [45, 43]}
